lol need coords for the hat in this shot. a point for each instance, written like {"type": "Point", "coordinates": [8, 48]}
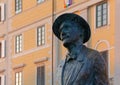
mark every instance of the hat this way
{"type": "Point", "coordinates": [72, 17]}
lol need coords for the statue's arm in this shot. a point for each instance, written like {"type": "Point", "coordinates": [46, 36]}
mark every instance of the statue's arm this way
{"type": "Point", "coordinates": [100, 70]}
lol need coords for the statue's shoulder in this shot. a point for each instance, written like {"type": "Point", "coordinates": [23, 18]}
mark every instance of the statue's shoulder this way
{"type": "Point", "coordinates": [61, 63]}
{"type": "Point", "coordinates": [92, 53]}
{"type": "Point", "coordinates": [92, 50]}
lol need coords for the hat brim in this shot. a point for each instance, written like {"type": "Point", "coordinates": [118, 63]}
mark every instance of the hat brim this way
{"type": "Point", "coordinates": [73, 17]}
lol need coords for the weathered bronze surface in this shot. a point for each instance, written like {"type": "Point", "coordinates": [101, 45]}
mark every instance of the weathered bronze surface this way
{"type": "Point", "coordinates": [82, 65]}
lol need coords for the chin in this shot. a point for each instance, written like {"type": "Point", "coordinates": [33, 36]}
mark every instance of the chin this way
{"type": "Point", "coordinates": [66, 44]}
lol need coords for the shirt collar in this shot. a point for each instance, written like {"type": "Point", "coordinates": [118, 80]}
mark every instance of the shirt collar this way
{"type": "Point", "coordinates": [79, 57]}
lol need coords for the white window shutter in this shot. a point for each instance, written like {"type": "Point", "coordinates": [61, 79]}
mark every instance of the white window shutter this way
{"type": "Point", "coordinates": [3, 48]}
{"type": "Point", "coordinates": [2, 11]}
{"type": "Point", "coordinates": [2, 79]}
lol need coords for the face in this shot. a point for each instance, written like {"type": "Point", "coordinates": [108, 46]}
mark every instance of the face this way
{"type": "Point", "coordinates": [69, 32]}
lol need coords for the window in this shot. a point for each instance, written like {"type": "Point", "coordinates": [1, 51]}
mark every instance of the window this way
{"type": "Point", "coordinates": [41, 75]}
{"type": "Point", "coordinates": [18, 6]}
{"type": "Point", "coordinates": [67, 3]}
{"type": "Point", "coordinates": [2, 48]}
{"type": "Point", "coordinates": [101, 14]}
{"type": "Point", "coordinates": [41, 35]}
{"type": "Point", "coordinates": [40, 1]}
{"type": "Point", "coordinates": [18, 78]}
{"type": "Point", "coordinates": [2, 12]}
{"type": "Point", "coordinates": [18, 43]}
{"type": "Point", "coordinates": [2, 79]}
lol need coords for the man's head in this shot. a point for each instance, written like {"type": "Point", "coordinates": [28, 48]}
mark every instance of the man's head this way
{"type": "Point", "coordinates": [75, 23]}
{"type": "Point", "coordinates": [71, 33]}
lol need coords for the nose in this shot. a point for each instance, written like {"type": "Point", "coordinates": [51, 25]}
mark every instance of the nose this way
{"type": "Point", "coordinates": [63, 33]}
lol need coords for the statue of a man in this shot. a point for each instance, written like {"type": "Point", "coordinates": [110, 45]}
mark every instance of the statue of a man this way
{"type": "Point", "coordinates": [82, 65]}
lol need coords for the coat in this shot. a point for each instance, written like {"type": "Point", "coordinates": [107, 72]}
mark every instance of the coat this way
{"type": "Point", "coordinates": [91, 70]}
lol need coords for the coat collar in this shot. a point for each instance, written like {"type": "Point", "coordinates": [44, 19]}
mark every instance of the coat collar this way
{"type": "Point", "coordinates": [79, 57]}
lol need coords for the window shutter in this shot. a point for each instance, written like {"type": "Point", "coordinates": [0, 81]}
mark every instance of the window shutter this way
{"type": "Point", "coordinates": [38, 76]}
{"type": "Point", "coordinates": [2, 79]}
{"type": "Point", "coordinates": [41, 75]}
{"type": "Point", "coordinates": [3, 48]}
{"type": "Point", "coordinates": [2, 11]}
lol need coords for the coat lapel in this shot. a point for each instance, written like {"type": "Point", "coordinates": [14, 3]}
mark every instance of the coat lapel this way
{"type": "Point", "coordinates": [76, 70]}
{"type": "Point", "coordinates": [59, 72]}
{"type": "Point", "coordinates": [81, 60]}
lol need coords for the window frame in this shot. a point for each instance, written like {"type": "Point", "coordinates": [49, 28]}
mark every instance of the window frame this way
{"type": "Point", "coordinates": [2, 79]}
{"type": "Point", "coordinates": [40, 1]}
{"type": "Point", "coordinates": [101, 14]}
{"type": "Point", "coordinates": [2, 48]}
{"type": "Point", "coordinates": [41, 35]}
{"type": "Point", "coordinates": [18, 43]}
{"type": "Point", "coordinates": [18, 6]}
{"type": "Point", "coordinates": [42, 74]}
{"type": "Point", "coordinates": [20, 78]}
{"type": "Point", "coordinates": [2, 12]}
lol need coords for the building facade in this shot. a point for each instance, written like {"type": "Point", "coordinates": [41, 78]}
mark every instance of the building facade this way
{"type": "Point", "coordinates": [30, 53]}
{"type": "Point", "coordinates": [100, 15]}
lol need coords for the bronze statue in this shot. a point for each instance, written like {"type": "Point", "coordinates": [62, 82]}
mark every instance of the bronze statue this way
{"type": "Point", "coordinates": [82, 65]}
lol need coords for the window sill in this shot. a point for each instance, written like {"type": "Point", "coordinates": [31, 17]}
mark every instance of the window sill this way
{"type": "Point", "coordinates": [105, 27]}
{"type": "Point", "coordinates": [41, 60]}
{"type": "Point", "coordinates": [19, 66]}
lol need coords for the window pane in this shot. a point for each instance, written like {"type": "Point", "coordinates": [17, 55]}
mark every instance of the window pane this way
{"type": "Point", "coordinates": [104, 5]}
{"type": "Point", "coordinates": [18, 43]}
{"type": "Point", "coordinates": [41, 35]}
{"type": "Point", "coordinates": [101, 14]}
{"type": "Point", "coordinates": [99, 24]}
{"type": "Point", "coordinates": [20, 37]}
{"type": "Point", "coordinates": [18, 6]}
{"type": "Point", "coordinates": [43, 41]}
{"type": "Point", "coordinates": [17, 46]}
{"type": "Point", "coordinates": [39, 29]}
{"type": "Point", "coordinates": [16, 83]}
{"type": "Point", "coordinates": [104, 11]}
{"type": "Point", "coordinates": [104, 22]}
{"type": "Point", "coordinates": [104, 17]}
{"type": "Point", "coordinates": [16, 74]}
{"type": "Point", "coordinates": [99, 19]}
{"type": "Point", "coordinates": [20, 49]}
{"type": "Point", "coordinates": [18, 78]}
{"type": "Point", "coordinates": [99, 7]}
{"type": "Point", "coordinates": [20, 83]}
{"type": "Point", "coordinates": [39, 1]}
{"type": "Point", "coordinates": [41, 75]}
{"type": "Point", "coordinates": [17, 51]}
{"type": "Point", "coordinates": [17, 38]}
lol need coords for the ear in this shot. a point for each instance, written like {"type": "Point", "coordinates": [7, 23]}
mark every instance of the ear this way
{"type": "Point", "coordinates": [82, 34]}
{"type": "Point", "coordinates": [81, 30]}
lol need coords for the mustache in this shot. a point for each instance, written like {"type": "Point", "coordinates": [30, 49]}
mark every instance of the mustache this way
{"type": "Point", "coordinates": [64, 37]}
